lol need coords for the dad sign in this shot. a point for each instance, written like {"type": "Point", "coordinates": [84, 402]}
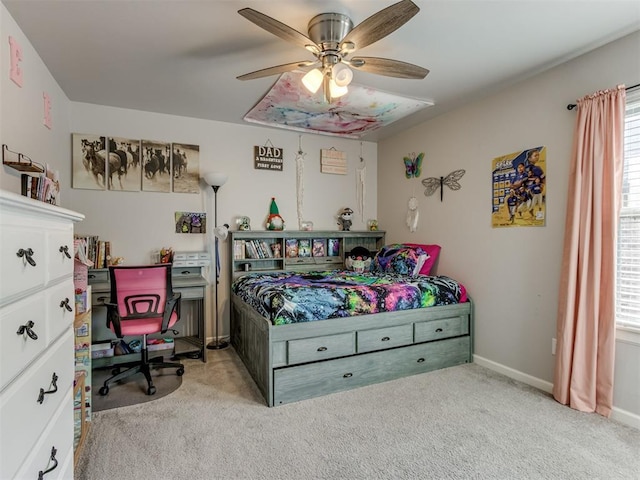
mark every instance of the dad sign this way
{"type": "Point", "coordinates": [267, 158]}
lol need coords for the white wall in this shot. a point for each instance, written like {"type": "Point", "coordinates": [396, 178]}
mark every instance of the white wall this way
{"type": "Point", "coordinates": [512, 274]}
{"type": "Point", "coordinates": [22, 114]}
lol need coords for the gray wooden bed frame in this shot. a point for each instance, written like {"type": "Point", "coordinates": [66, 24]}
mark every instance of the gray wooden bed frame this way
{"type": "Point", "coordinates": [304, 360]}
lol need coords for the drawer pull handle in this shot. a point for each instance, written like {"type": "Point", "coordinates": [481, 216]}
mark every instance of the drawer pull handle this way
{"type": "Point", "coordinates": [28, 255]}
{"type": "Point", "coordinates": [65, 304]}
{"type": "Point", "coordinates": [438, 330]}
{"type": "Point", "coordinates": [53, 459]}
{"type": "Point", "coordinates": [54, 383]}
{"type": "Point", "coordinates": [64, 249]}
{"type": "Point", "coordinates": [385, 339]}
{"type": "Point", "coordinates": [27, 328]}
{"type": "Point", "coordinates": [420, 360]}
{"type": "Point", "coordinates": [91, 275]}
{"type": "Point", "coordinates": [322, 349]}
{"type": "Point", "coordinates": [347, 375]}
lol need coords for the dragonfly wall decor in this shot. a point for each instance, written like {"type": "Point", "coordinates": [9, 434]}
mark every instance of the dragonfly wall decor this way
{"type": "Point", "coordinates": [433, 183]}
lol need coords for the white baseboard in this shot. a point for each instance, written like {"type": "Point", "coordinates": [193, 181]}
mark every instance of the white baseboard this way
{"type": "Point", "coordinates": [617, 414]}
{"type": "Point", "coordinates": [623, 416]}
{"type": "Point", "coordinates": [515, 374]}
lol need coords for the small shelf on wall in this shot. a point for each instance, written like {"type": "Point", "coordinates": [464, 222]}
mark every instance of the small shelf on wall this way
{"type": "Point", "coordinates": [21, 162]}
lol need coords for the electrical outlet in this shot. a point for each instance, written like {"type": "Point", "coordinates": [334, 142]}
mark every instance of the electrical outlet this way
{"type": "Point", "coordinates": [553, 346]}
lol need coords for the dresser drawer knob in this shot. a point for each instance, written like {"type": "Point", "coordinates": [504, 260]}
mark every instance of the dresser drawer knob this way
{"type": "Point", "coordinates": [420, 360]}
{"type": "Point", "coordinates": [53, 459]}
{"type": "Point", "coordinates": [65, 304]}
{"type": "Point", "coordinates": [348, 375]}
{"type": "Point", "coordinates": [385, 339]}
{"type": "Point", "coordinates": [65, 249]}
{"type": "Point", "coordinates": [54, 384]}
{"type": "Point", "coordinates": [322, 349]}
{"type": "Point", "coordinates": [438, 330]}
{"type": "Point", "coordinates": [26, 328]}
{"type": "Point", "coordinates": [28, 255]}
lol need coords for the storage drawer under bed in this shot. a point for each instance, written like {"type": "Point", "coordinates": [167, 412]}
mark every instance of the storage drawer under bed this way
{"type": "Point", "coordinates": [291, 384]}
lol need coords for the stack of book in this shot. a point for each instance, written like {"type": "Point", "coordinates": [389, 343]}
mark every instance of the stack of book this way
{"type": "Point", "coordinates": [95, 250]}
{"type": "Point", "coordinates": [39, 187]}
{"type": "Point", "coordinates": [252, 249]}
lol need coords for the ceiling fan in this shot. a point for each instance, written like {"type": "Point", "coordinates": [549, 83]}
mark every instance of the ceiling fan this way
{"type": "Point", "coordinates": [332, 38]}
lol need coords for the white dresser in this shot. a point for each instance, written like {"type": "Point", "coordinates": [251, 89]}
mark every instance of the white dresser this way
{"type": "Point", "coordinates": [36, 339]}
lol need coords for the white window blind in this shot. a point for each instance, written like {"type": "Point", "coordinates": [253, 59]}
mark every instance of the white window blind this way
{"type": "Point", "coordinates": [628, 267]}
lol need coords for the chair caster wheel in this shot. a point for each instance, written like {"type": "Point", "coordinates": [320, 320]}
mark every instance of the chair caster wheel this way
{"type": "Point", "coordinates": [180, 372]}
{"type": "Point", "coordinates": [103, 391]}
{"type": "Point", "coordinates": [151, 391]}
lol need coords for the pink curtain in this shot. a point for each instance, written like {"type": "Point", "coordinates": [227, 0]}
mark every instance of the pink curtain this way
{"type": "Point", "coordinates": [586, 308]}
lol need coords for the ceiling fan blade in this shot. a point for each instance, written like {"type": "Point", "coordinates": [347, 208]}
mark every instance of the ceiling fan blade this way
{"type": "Point", "coordinates": [388, 67]}
{"type": "Point", "coordinates": [279, 29]}
{"type": "Point", "coordinates": [381, 24]}
{"type": "Point", "coordinates": [266, 72]}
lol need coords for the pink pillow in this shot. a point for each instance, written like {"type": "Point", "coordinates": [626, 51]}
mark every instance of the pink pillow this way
{"type": "Point", "coordinates": [433, 251]}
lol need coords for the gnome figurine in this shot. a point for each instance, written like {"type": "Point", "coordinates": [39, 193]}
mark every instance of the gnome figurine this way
{"type": "Point", "coordinates": [274, 220]}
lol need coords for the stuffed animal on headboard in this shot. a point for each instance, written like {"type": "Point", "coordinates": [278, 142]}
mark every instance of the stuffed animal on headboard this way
{"type": "Point", "coordinates": [358, 260]}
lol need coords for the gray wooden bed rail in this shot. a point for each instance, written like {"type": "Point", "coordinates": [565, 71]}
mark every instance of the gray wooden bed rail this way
{"type": "Point", "coordinates": [305, 360]}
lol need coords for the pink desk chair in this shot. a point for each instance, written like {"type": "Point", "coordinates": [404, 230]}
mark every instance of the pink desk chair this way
{"type": "Point", "coordinates": [142, 303]}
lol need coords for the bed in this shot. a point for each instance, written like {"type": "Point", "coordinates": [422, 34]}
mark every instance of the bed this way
{"type": "Point", "coordinates": [307, 334]}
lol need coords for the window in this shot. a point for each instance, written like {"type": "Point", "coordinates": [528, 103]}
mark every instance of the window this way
{"type": "Point", "coordinates": [628, 268]}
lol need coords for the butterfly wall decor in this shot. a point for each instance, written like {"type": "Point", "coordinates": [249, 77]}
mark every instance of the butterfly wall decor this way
{"type": "Point", "coordinates": [413, 165]}
{"type": "Point", "coordinates": [433, 183]}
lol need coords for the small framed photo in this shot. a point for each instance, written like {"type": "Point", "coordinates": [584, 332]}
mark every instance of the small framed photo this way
{"type": "Point", "coordinates": [333, 247]}
{"type": "Point", "coordinates": [318, 248]}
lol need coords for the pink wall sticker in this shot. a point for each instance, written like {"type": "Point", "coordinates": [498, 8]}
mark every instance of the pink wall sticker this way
{"type": "Point", "coordinates": [47, 110]}
{"type": "Point", "coordinates": [15, 72]}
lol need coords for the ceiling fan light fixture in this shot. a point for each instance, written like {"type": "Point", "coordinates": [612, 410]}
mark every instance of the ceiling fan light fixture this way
{"type": "Point", "coordinates": [312, 80]}
{"type": "Point", "coordinates": [342, 75]}
{"type": "Point", "coordinates": [337, 90]}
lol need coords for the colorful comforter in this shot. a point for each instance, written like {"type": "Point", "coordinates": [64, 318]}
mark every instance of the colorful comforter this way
{"type": "Point", "coordinates": [292, 297]}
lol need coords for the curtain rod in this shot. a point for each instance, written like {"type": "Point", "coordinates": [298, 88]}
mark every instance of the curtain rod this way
{"type": "Point", "coordinates": [571, 106]}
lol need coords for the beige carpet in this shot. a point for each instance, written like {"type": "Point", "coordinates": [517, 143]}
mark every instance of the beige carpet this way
{"type": "Point", "coordinates": [463, 422]}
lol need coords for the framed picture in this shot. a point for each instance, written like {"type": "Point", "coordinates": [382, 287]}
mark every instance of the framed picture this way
{"type": "Point", "coordinates": [304, 247]}
{"type": "Point", "coordinates": [291, 247]}
{"type": "Point", "coordinates": [156, 169]}
{"type": "Point", "coordinates": [88, 161]}
{"type": "Point", "coordinates": [318, 248]}
{"type": "Point", "coordinates": [125, 175]}
{"type": "Point", "coordinates": [333, 247]}
{"type": "Point", "coordinates": [185, 161]}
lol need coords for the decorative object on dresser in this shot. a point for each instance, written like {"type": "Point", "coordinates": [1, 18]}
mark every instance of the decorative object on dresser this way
{"type": "Point", "coordinates": [36, 338]}
{"type": "Point", "coordinates": [216, 180]}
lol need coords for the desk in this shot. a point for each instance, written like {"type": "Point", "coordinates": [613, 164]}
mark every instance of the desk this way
{"type": "Point", "coordinates": [190, 341]}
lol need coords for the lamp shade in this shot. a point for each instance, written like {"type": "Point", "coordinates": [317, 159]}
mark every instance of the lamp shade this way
{"type": "Point", "coordinates": [312, 80]}
{"type": "Point", "coordinates": [342, 75]}
{"type": "Point", "coordinates": [215, 179]}
{"type": "Point", "coordinates": [336, 90]}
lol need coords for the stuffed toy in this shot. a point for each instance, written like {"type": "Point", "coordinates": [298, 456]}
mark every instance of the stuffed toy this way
{"type": "Point", "coordinates": [274, 220]}
{"type": "Point", "coordinates": [358, 260]}
{"type": "Point", "coordinates": [344, 219]}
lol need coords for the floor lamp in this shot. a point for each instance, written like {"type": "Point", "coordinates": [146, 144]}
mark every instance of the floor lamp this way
{"type": "Point", "coordinates": [216, 180]}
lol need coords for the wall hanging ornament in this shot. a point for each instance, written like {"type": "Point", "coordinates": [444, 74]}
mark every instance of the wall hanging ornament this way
{"type": "Point", "coordinates": [413, 165]}
{"type": "Point", "coordinates": [433, 183]}
{"type": "Point", "coordinates": [412, 214]}
{"type": "Point", "coordinates": [361, 176]}
{"type": "Point", "coordinates": [274, 220]}
{"type": "Point", "coordinates": [300, 181]}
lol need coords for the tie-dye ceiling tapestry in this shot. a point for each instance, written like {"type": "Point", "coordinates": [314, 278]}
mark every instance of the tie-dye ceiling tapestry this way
{"type": "Point", "coordinates": [290, 105]}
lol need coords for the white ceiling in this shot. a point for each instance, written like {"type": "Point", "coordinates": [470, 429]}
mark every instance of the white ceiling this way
{"type": "Point", "coordinates": [182, 57]}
